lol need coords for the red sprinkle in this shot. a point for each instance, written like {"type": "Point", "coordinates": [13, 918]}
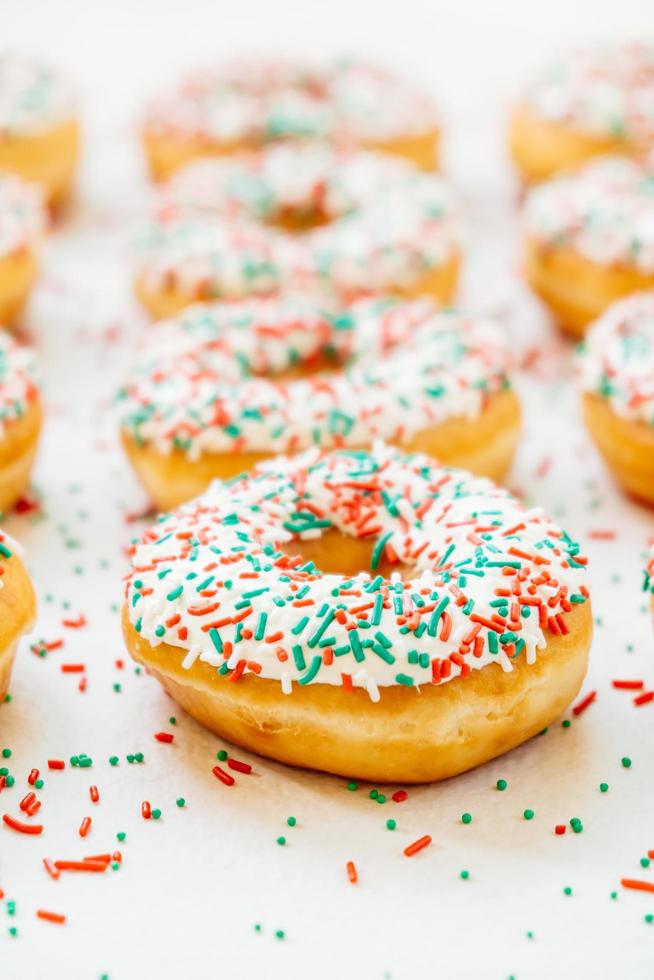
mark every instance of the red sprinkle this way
{"type": "Point", "coordinates": [94, 793]}
{"type": "Point", "coordinates": [584, 703]}
{"type": "Point", "coordinates": [33, 776]}
{"type": "Point", "coordinates": [51, 917]}
{"type": "Point", "coordinates": [400, 795]}
{"type": "Point", "coordinates": [164, 737]}
{"type": "Point", "coordinates": [352, 872]}
{"type": "Point", "coordinates": [417, 845]}
{"type": "Point", "coordinates": [81, 865]}
{"type": "Point", "coordinates": [223, 776]}
{"type": "Point", "coordinates": [50, 868]}
{"type": "Point", "coordinates": [628, 685]}
{"type": "Point", "coordinates": [146, 810]}
{"type": "Point", "coordinates": [56, 764]}
{"type": "Point", "coordinates": [639, 886]}
{"type": "Point", "coordinates": [238, 766]}
{"type": "Point", "coordinates": [560, 829]}
{"type": "Point", "coordinates": [85, 826]}
{"type": "Point", "coordinates": [644, 698]}
{"type": "Point", "coordinates": [22, 828]}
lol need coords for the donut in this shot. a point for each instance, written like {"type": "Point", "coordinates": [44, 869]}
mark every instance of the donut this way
{"type": "Point", "coordinates": [589, 239]}
{"type": "Point", "coordinates": [20, 419]}
{"type": "Point", "coordinates": [225, 386]}
{"type": "Point", "coordinates": [17, 606]}
{"type": "Point", "coordinates": [229, 228]}
{"type": "Point", "coordinates": [246, 104]}
{"type": "Point", "coordinates": [22, 222]}
{"type": "Point", "coordinates": [370, 614]}
{"type": "Point", "coordinates": [616, 373]}
{"type": "Point", "coordinates": [590, 102]}
{"type": "Point", "coordinates": [39, 132]}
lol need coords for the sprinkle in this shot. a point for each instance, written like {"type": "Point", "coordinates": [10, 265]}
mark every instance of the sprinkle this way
{"type": "Point", "coordinates": [584, 703]}
{"type": "Point", "coordinates": [352, 872]}
{"type": "Point", "coordinates": [223, 776]}
{"type": "Point", "coordinates": [33, 829]}
{"type": "Point", "coordinates": [418, 845]}
{"type": "Point", "coordinates": [54, 917]}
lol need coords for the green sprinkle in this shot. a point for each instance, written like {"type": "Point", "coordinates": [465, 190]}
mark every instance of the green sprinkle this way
{"type": "Point", "coordinates": [291, 821]}
{"type": "Point", "coordinates": [604, 787]}
{"type": "Point", "coordinates": [501, 784]}
{"type": "Point", "coordinates": [466, 818]}
{"type": "Point", "coordinates": [528, 814]}
{"type": "Point", "coordinates": [567, 890]}
{"type": "Point", "coordinates": [156, 814]}
{"type": "Point", "coordinates": [391, 824]}
{"type": "Point", "coordinates": [626, 761]}
{"type": "Point", "coordinates": [352, 787]}
{"type": "Point", "coordinates": [281, 841]}
{"type": "Point", "coordinates": [180, 801]}
{"type": "Point", "coordinates": [221, 755]}
{"type": "Point", "coordinates": [464, 875]}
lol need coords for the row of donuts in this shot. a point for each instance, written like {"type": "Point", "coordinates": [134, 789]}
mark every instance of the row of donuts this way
{"type": "Point", "coordinates": [301, 241]}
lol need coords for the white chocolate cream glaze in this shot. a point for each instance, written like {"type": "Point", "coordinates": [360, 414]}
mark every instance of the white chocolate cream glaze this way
{"type": "Point", "coordinates": [33, 97]}
{"type": "Point", "coordinates": [256, 101]}
{"type": "Point", "coordinates": [205, 382]}
{"type": "Point", "coordinates": [604, 211]}
{"type": "Point", "coordinates": [18, 380]}
{"type": "Point", "coordinates": [215, 227]}
{"type": "Point", "coordinates": [606, 90]}
{"type": "Point", "coordinates": [616, 359]}
{"type": "Point", "coordinates": [489, 580]}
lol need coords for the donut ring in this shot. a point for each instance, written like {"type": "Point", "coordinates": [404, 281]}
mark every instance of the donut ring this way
{"type": "Point", "coordinates": [17, 607]}
{"type": "Point", "coordinates": [211, 395]}
{"type": "Point", "coordinates": [586, 104]}
{"type": "Point", "coordinates": [22, 221]}
{"type": "Point", "coordinates": [589, 239]}
{"type": "Point", "coordinates": [39, 133]}
{"type": "Point", "coordinates": [248, 104]}
{"type": "Point", "coordinates": [20, 419]}
{"type": "Point", "coordinates": [312, 661]}
{"type": "Point", "coordinates": [229, 228]}
{"type": "Point", "coordinates": [616, 368]}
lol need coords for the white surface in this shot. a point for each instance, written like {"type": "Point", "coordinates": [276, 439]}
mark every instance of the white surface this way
{"type": "Point", "coordinates": [193, 885]}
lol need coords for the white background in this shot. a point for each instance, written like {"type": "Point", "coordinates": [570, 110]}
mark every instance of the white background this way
{"type": "Point", "coordinates": [193, 885]}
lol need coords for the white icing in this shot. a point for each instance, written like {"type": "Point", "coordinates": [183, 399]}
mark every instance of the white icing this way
{"type": "Point", "coordinates": [604, 211]}
{"type": "Point", "coordinates": [216, 560]}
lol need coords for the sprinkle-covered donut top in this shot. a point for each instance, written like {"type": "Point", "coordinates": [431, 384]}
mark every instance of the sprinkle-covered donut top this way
{"type": "Point", "coordinates": [648, 584]}
{"type": "Point", "coordinates": [606, 90]}
{"type": "Point", "coordinates": [490, 581]}
{"type": "Point", "coordinates": [617, 358]}
{"type": "Point", "coordinates": [255, 101]}
{"type": "Point", "coordinates": [22, 213]}
{"type": "Point", "coordinates": [605, 212]}
{"type": "Point", "coordinates": [216, 226]}
{"type": "Point", "coordinates": [206, 382]}
{"type": "Point", "coordinates": [32, 97]}
{"type": "Point", "coordinates": [18, 381]}
{"type": "Point", "coordinates": [8, 548]}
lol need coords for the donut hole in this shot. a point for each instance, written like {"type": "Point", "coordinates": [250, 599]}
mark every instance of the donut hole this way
{"type": "Point", "coordinates": [335, 553]}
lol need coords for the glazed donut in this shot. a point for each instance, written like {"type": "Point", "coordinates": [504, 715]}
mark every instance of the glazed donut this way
{"type": "Point", "coordinates": [211, 394]}
{"type": "Point", "coordinates": [616, 371]}
{"type": "Point", "coordinates": [22, 222]}
{"type": "Point", "coordinates": [39, 133]}
{"type": "Point", "coordinates": [17, 606]}
{"type": "Point", "coordinates": [273, 609]}
{"type": "Point", "coordinates": [247, 104]}
{"type": "Point", "coordinates": [589, 239]}
{"type": "Point", "coordinates": [228, 228]}
{"type": "Point", "coordinates": [588, 103]}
